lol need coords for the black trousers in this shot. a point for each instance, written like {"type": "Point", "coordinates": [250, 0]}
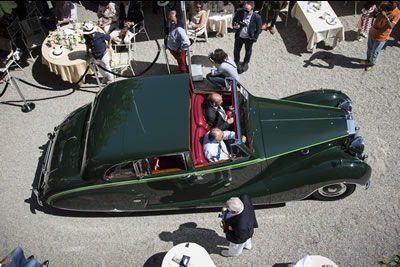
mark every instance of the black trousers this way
{"type": "Point", "coordinates": [248, 46]}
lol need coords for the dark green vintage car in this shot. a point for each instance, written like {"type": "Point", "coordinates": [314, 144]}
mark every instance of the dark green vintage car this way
{"type": "Point", "coordinates": [138, 146]}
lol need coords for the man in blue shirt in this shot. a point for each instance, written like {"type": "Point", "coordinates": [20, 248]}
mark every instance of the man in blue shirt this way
{"type": "Point", "coordinates": [248, 27]}
{"type": "Point", "coordinates": [96, 43]}
{"type": "Point", "coordinates": [178, 42]}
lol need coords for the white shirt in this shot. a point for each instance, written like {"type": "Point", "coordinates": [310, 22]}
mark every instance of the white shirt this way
{"type": "Point", "coordinates": [126, 10]}
{"type": "Point", "coordinates": [221, 111]}
{"type": "Point", "coordinates": [214, 151]}
{"type": "Point", "coordinates": [244, 31]}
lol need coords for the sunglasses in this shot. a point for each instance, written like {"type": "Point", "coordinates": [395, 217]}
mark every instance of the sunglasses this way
{"type": "Point", "coordinates": [247, 11]}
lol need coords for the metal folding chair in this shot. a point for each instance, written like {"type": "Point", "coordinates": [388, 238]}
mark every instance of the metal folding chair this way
{"type": "Point", "coordinates": [8, 57]}
{"type": "Point", "coordinates": [33, 33]}
{"type": "Point", "coordinates": [32, 10]}
{"type": "Point", "coordinates": [122, 57]}
{"type": "Point", "coordinates": [141, 29]}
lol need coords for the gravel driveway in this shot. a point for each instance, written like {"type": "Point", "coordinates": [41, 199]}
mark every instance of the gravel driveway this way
{"type": "Point", "coordinates": [356, 231]}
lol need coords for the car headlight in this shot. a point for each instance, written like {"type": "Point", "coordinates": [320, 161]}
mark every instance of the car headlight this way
{"type": "Point", "coordinates": [357, 145]}
{"type": "Point", "coordinates": [347, 105]}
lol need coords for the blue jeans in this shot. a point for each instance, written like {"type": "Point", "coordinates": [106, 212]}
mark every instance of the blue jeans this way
{"type": "Point", "coordinates": [217, 80]}
{"type": "Point", "coordinates": [248, 45]}
{"type": "Point", "coordinates": [374, 48]}
{"type": "Point", "coordinates": [18, 259]}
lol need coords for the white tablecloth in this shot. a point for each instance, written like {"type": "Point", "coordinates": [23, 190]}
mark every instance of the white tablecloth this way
{"type": "Point", "coordinates": [72, 65]}
{"type": "Point", "coordinates": [316, 28]}
{"type": "Point", "coordinates": [199, 257]}
{"type": "Point", "coordinates": [220, 21]}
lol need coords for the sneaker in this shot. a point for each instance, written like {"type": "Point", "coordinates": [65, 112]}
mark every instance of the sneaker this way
{"type": "Point", "coordinates": [272, 30]}
{"type": "Point", "coordinates": [245, 67]}
{"type": "Point", "coordinates": [45, 264]}
{"type": "Point", "coordinates": [369, 67]}
{"type": "Point", "coordinates": [240, 69]}
{"type": "Point", "coordinates": [248, 247]}
{"type": "Point", "coordinates": [226, 253]}
{"type": "Point", "coordinates": [30, 257]}
{"type": "Point", "coordinates": [264, 26]}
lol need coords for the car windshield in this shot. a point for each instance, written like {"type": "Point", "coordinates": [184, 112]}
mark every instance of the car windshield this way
{"type": "Point", "coordinates": [240, 100]}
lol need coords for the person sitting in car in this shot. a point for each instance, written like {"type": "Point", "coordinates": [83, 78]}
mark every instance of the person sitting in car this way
{"type": "Point", "coordinates": [214, 147]}
{"type": "Point", "coordinates": [216, 114]}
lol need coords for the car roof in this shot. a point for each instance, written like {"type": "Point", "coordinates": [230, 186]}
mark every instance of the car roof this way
{"type": "Point", "coordinates": [140, 117]}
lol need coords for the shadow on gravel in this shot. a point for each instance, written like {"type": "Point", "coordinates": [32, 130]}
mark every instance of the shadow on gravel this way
{"type": "Point", "coordinates": [293, 37]}
{"type": "Point", "coordinates": [328, 60]}
{"type": "Point", "coordinates": [351, 36]}
{"type": "Point", "coordinates": [188, 232]}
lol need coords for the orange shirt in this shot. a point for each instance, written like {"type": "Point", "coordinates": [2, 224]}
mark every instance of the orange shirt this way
{"type": "Point", "coordinates": [380, 30]}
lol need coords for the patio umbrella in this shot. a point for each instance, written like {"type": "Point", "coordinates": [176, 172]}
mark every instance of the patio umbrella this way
{"type": "Point", "coordinates": [6, 7]}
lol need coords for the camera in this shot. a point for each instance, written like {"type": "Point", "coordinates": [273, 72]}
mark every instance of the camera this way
{"type": "Point", "coordinates": [211, 59]}
{"type": "Point", "coordinates": [222, 215]}
{"type": "Point", "coordinates": [378, 12]}
{"type": "Point", "coordinates": [241, 23]}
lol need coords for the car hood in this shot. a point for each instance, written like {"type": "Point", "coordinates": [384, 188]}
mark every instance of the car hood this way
{"type": "Point", "coordinates": [288, 126]}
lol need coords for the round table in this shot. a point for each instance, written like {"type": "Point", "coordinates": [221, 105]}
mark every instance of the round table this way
{"type": "Point", "coordinates": [73, 63]}
{"type": "Point", "coordinates": [315, 261]}
{"type": "Point", "coordinates": [198, 256]}
{"type": "Point", "coordinates": [220, 21]}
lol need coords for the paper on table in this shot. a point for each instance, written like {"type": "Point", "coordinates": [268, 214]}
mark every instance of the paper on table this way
{"type": "Point", "coordinates": [69, 32]}
{"type": "Point", "coordinates": [304, 4]}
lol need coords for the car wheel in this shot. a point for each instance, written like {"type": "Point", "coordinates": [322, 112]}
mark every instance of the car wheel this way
{"type": "Point", "coordinates": [334, 192]}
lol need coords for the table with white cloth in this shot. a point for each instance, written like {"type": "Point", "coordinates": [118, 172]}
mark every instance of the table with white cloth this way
{"type": "Point", "coordinates": [219, 21]}
{"type": "Point", "coordinates": [188, 253]}
{"type": "Point", "coordinates": [71, 65]}
{"type": "Point", "coordinates": [315, 21]}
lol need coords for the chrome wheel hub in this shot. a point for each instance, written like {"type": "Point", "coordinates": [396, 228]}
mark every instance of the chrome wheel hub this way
{"type": "Point", "coordinates": [334, 190]}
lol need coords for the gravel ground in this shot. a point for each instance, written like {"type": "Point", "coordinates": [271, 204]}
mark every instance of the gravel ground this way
{"type": "Point", "coordinates": [356, 231]}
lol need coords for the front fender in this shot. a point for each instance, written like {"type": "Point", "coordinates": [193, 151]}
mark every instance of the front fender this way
{"type": "Point", "coordinates": [297, 175]}
{"type": "Point", "coordinates": [326, 97]}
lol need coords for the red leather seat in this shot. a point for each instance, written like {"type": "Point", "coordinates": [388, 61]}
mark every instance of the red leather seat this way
{"type": "Point", "coordinates": [198, 112]}
{"type": "Point", "coordinates": [199, 128]}
{"type": "Point", "coordinates": [197, 148]}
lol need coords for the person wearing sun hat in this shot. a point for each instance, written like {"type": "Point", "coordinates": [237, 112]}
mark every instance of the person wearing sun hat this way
{"type": "Point", "coordinates": [96, 44]}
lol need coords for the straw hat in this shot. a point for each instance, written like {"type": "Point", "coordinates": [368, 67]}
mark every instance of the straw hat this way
{"type": "Point", "coordinates": [88, 28]}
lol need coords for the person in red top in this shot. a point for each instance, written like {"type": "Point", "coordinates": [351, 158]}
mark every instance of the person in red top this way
{"type": "Point", "coordinates": [386, 17]}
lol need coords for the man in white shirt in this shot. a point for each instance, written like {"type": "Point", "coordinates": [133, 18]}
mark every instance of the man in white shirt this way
{"type": "Point", "coordinates": [214, 147]}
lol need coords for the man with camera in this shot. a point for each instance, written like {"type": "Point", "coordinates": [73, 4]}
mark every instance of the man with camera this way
{"type": "Point", "coordinates": [238, 222]}
{"type": "Point", "coordinates": [226, 68]}
{"type": "Point", "coordinates": [386, 17]}
{"type": "Point", "coordinates": [248, 27]}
